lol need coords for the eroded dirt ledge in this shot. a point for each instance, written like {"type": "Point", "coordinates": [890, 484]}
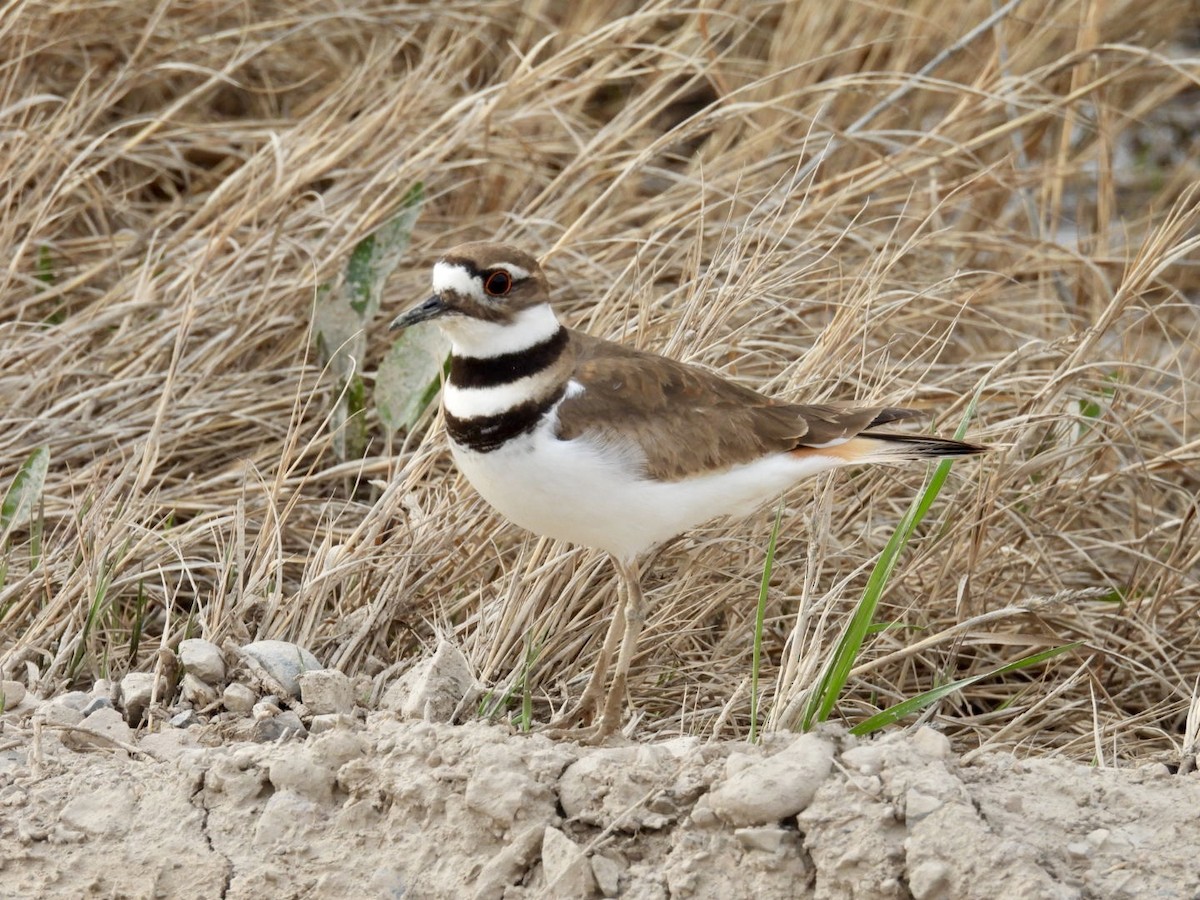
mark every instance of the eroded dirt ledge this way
{"type": "Point", "coordinates": [391, 809]}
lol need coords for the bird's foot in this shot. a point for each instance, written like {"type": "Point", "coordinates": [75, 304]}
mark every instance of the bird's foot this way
{"type": "Point", "coordinates": [566, 727]}
{"type": "Point", "coordinates": [590, 735]}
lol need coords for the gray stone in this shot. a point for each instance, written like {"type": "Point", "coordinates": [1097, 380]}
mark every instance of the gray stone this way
{"type": "Point", "coordinates": [282, 663]}
{"type": "Point", "coordinates": [930, 744]}
{"type": "Point", "coordinates": [918, 804]}
{"type": "Point", "coordinates": [509, 864]}
{"type": "Point", "coordinates": [52, 713]}
{"type": "Point", "coordinates": [568, 872]}
{"type": "Point", "coordinates": [388, 882]}
{"type": "Point", "coordinates": [283, 821]}
{"type": "Point", "coordinates": [609, 786]}
{"type": "Point", "coordinates": [767, 838]}
{"type": "Point", "coordinates": [170, 744]}
{"type": "Point", "coordinates": [238, 698]}
{"type": "Point", "coordinates": [930, 879]}
{"type": "Point", "coordinates": [96, 703]}
{"type": "Point", "coordinates": [865, 758]}
{"type": "Point", "coordinates": [287, 723]}
{"type": "Point", "coordinates": [291, 723]}
{"type": "Point", "coordinates": [184, 719]}
{"type": "Point", "coordinates": [433, 689]}
{"type": "Point", "coordinates": [504, 791]}
{"type": "Point", "coordinates": [336, 748]}
{"type": "Point", "coordinates": [108, 722]}
{"type": "Point", "coordinates": [136, 691]}
{"type": "Point", "coordinates": [326, 691]}
{"type": "Point", "coordinates": [607, 872]}
{"type": "Point", "coordinates": [202, 659]}
{"type": "Point", "coordinates": [197, 692]}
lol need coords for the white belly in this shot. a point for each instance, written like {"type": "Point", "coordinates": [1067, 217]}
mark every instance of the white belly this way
{"type": "Point", "coordinates": [574, 491]}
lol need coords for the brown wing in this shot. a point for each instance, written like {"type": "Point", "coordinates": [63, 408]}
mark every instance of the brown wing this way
{"type": "Point", "coordinates": [685, 420]}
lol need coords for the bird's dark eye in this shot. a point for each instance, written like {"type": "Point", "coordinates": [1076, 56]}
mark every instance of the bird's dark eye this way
{"type": "Point", "coordinates": [498, 283]}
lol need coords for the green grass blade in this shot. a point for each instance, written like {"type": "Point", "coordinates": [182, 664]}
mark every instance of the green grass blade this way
{"type": "Point", "coordinates": [895, 713]}
{"type": "Point", "coordinates": [45, 266]}
{"type": "Point", "coordinates": [533, 649]}
{"type": "Point", "coordinates": [138, 623]}
{"type": "Point", "coordinates": [845, 655]}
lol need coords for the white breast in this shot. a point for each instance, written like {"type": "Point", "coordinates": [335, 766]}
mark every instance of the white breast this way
{"type": "Point", "coordinates": [581, 492]}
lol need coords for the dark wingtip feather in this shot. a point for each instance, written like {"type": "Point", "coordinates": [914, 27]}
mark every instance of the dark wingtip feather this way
{"type": "Point", "coordinates": [919, 447]}
{"type": "Point", "coordinates": [893, 414]}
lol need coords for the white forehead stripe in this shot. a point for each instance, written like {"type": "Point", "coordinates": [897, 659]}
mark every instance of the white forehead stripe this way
{"type": "Point", "coordinates": [449, 277]}
{"type": "Point", "coordinates": [514, 270]}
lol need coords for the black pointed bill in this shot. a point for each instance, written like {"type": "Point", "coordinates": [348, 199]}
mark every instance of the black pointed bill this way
{"type": "Point", "coordinates": [422, 312]}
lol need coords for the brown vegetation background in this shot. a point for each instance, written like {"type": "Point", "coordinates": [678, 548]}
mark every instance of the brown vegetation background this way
{"type": "Point", "coordinates": [899, 202]}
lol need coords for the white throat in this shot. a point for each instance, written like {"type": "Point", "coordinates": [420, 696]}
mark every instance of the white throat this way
{"type": "Point", "coordinates": [479, 339]}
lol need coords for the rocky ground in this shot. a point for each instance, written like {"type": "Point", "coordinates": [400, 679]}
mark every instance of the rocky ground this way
{"type": "Point", "coordinates": [265, 784]}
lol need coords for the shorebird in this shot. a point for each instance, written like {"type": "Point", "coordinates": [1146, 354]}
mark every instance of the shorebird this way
{"type": "Point", "coordinates": [595, 443]}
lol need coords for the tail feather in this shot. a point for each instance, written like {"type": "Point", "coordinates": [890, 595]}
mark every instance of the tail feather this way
{"type": "Point", "coordinates": [884, 447]}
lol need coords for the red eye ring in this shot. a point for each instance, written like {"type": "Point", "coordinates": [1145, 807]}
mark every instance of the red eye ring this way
{"type": "Point", "coordinates": [498, 283]}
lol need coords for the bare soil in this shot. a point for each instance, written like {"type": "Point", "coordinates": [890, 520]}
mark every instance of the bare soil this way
{"type": "Point", "coordinates": [413, 809]}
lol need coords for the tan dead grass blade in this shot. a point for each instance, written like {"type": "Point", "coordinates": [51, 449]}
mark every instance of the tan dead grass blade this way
{"type": "Point", "coordinates": [1010, 206]}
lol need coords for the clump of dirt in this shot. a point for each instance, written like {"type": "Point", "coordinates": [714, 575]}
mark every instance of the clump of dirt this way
{"type": "Point", "coordinates": [391, 808]}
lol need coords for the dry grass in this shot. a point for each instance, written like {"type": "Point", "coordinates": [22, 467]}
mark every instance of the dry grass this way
{"type": "Point", "coordinates": [1021, 220]}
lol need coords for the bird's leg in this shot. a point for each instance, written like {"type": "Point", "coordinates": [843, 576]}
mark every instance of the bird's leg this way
{"type": "Point", "coordinates": [590, 701]}
{"type": "Point", "coordinates": [635, 617]}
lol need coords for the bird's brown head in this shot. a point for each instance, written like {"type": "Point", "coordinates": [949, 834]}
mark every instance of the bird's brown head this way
{"type": "Point", "coordinates": [481, 282]}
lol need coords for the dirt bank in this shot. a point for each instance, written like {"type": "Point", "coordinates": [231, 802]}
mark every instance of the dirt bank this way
{"type": "Point", "coordinates": [385, 808]}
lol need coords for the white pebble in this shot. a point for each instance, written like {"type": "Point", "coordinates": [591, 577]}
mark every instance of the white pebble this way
{"type": "Point", "coordinates": [568, 872]}
{"type": "Point", "coordinates": [775, 787]}
{"type": "Point", "coordinates": [238, 698]}
{"type": "Point", "coordinates": [202, 659]}
{"type": "Point", "coordinates": [13, 692]}
{"type": "Point", "coordinates": [136, 691]}
{"type": "Point", "coordinates": [433, 689]}
{"type": "Point", "coordinates": [326, 691]}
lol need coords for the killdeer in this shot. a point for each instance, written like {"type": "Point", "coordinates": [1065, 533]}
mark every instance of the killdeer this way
{"type": "Point", "coordinates": [595, 443]}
